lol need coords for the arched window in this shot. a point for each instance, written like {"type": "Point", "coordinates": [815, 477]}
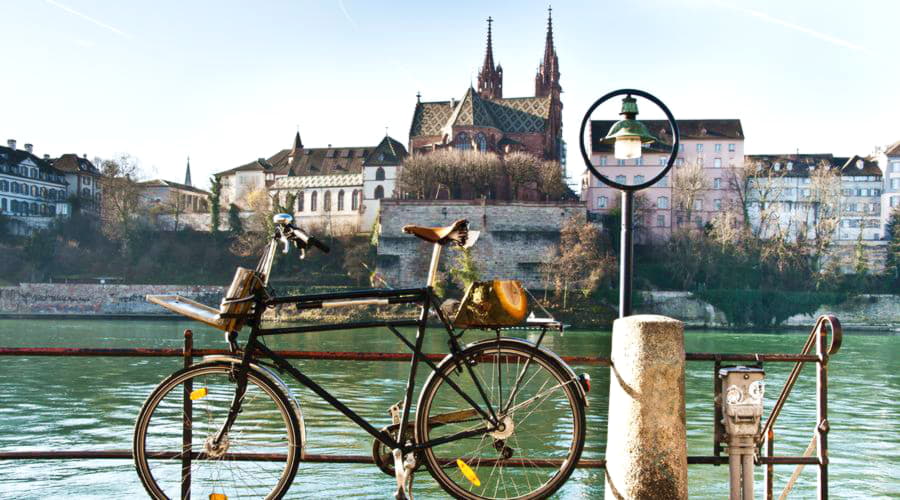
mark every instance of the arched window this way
{"type": "Point", "coordinates": [43, 192]}
{"type": "Point", "coordinates": [462, 141]}
{"type": "Point", "coordinates": [44, 210]}
{"type": "Point", "coordinates": [326, 204]}
{"type": "Point", "coordinates": [379, 192]}
{"type": "Point", "coordinates": [379, 174]}
{"type": "Point", "coordinates": [340, 200]}
{"type": "Point", "coordinates": [2, 204]}
{"type": "Point", "coordinates": [34, 208]}
{"type": "Point", "coordinates": [34, 191]}
{"type": "Point", "coordinates": [481, 141]}
{"type": "Point", "coordinates": [662, 202]}
{"type": "Point", "coordinates": [34, 173]}
{"type": "Point", "coordinates": [313, 201]}
{"type": "Point", "coordinates": [300, 201]}
{"type": "Point", "coordinates": [4, 186]}
{"type": "Point", "coordinates": [354, 202]}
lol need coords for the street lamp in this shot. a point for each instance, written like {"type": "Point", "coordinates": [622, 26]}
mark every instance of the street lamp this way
{"type": "Point", "coordinates": [628, 137]}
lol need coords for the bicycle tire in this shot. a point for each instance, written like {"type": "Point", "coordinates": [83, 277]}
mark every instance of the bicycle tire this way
{"type": "Point", "coordinates": [266, 424]}
{"type": "Point", "coordinates": [501, 466]}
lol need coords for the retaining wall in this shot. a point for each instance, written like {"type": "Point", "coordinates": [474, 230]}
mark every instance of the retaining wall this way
{"type": "Point", "coordinates": [87, 299]}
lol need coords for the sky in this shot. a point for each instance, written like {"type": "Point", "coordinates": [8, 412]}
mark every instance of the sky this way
{"type": "Point", "coordinates": [226, 82]}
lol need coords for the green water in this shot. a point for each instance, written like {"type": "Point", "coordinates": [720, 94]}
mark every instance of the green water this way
{"type": "Point", "coordinates": [91, 403]}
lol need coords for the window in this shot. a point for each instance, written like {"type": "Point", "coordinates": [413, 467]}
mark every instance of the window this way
{"type": "Point", "coordinates": [4, 186]}
{"type": "Point", "coordinates": [806, 192]}
{"type": "Point", "coordinates": [379, 174]}
{"type": "Point", "coordinates": [699, 222]}
{"type": "Point", "coordinates": [717, 163]}
{"type": "Point", "coordinates": [661, 220]}
{"type": "Point", "coordinates": [326, 202]}
{"type": "Point", "coordinates": [638, 179]}
{"type": "Point", "coordinates": [662, 202]}
{"type": "Point", "coordinates": [717, 183]}
{"type": "Point", "coordinates": [34, 191]}
{"type": "Point", "coordinates": [790, 165]}
{"type": "Point", "coordinates": [2, 204]}
{"type": "Point", "coordinates": [681, 148]}
{"type": "Point", "coordinates": [620, 162]}
{"type": "Point", "coordinates": [662, 161]}
{"type": "Point", "coordinates": [895, 200]}
{"type": "Point", "coordinates": [341, 200]}
{"type": "Point", "coordinates": [731, 147]}
{"type": "Point", "coordinates": [354, 204]}
{"type": "Point", "coordinates": [314, 201]}
{"type": "Point", "coordinates": [639, 161]}
{"type": "Point", "coordinates": [679, 162]}
{"type": "Point", "coordinates": [896, 166]}
{"type": "Point", "coordinates": [895, 183]}
{"type": "Point", "coordinates": [481, 141]}
{"type": "Point", "coordinates": [85, 192]}
{"type": "Point", "coordinates": [718, 148]}
{"type": "Point", "coordinates": [620, 179]}
{"type": "Point", "coordinates": [379, 192]}
{"type": "Point", "coordinates": [698, 204]}
{"type": "Point", "coordinates": [462, 141]}
{"type": "Point", "coordinates": [602, 202]}
{"type": "Point", "coordinates": [87, 181]}
{"type": "Point", "coordinates": [699, 147]}
{"type": "Point", "coordinates": [34, 175]}
{"type": "Point", "coordinates": [717, 204]}
{"type": "Point", "coordinates": [603, 161]}
{"type": "Point", "coordinates": [664, 182]}
{"type": "Point", "coordinates": [300, 201]}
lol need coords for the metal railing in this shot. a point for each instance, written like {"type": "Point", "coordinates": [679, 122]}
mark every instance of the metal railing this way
{"type": "Point", "coordinates": [817, 338]}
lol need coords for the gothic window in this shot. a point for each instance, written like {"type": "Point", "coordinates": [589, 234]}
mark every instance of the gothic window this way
{"type": "Point", "coordinates": [326, 204]}
{"type": "Point", "coordinates": [313, 199]}
{"type": "Point", "coordinates": [354, 201]}
{"type": "Point", "coordinates": [300, 201]}
{"type": "Point", "coordinates": [379, 174]}
{"type": "Point", "coordinates": [379, 192]}
{"type": "Point", "coordinates": [340, 200]}
{"type": "Point", "coordinates": [481, 141]}
{"type": "Point", "coordinates": [462, 141]}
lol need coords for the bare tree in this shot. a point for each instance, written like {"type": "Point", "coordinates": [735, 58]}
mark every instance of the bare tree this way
{"type": "Point", "coordinates": [824, 203]}
{"type": "Point", "coordinates": [759, 189]}
{"type": "Point", "coordinates": [688, 184]}
{"type": "Point", "coordinates": [522, 169]}
{"type": "Point", "coordinates": [551, 180]}
{"type": "Point", "coordinates": [121, 195]}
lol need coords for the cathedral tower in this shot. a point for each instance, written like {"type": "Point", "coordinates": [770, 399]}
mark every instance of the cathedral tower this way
{"type": "Point", "coordinates": [546, 84]}
{"type": "Point", "coordinates": [490, 78]}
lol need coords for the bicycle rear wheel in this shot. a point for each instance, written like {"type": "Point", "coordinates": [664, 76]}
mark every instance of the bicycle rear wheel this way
{"type": "Point", "coordinates": [542, 436]}
{"type": "Point", "coordinates": [266, 426]}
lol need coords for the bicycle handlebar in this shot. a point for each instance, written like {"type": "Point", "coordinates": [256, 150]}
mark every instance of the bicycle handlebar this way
{"type": "Point", "coordinates": [289, 232]}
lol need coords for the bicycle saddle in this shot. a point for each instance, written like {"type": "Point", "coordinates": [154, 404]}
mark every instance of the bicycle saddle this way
{"type": "Point", "coordinates": [457, 233]}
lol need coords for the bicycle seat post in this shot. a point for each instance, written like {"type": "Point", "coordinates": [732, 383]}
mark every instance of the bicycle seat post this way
{"type": "Point", "coordinates": [433, 269]}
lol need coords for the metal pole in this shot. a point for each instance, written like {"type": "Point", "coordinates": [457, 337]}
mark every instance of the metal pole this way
{"type": "Point", "coordinates": [822, 411]}
{"type": "Point", "coordinates": [626, 254]}
{"type": "Point", "coordinates": [734, 473]}
{"type": "Point", "coordinates": [748, 476]}
{"type": "Point", "coordinates": [187, 410]}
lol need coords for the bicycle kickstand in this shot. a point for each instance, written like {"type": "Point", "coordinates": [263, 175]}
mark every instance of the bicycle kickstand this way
{"type": "Point", "coordinates": [404, 468]}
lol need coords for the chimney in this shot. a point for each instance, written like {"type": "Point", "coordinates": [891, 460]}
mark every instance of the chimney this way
{"type": "Point", "coordinates": [29, 148]}
{"type": "Point", "coordinates": [11, 143]}
{"type": "Point", "coordinates": [46, 156]}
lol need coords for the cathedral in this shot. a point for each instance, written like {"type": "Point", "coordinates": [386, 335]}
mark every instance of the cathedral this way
{"type": "Point", "coordinates": [486, 121]}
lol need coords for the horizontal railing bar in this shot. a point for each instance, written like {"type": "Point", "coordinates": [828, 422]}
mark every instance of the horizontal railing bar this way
{"type": "Point", "coordinates": [361, 459]}
{"type": "Point", "coordinates": [360, 356]}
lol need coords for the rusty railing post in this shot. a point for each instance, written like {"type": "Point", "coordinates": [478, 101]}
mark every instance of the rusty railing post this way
{"type": "Point", "coordinates": [187, 416]}
{"type": "Point", "coordinates": [822, 411]}
{"type": "Point", "coordinates": [770, 469]}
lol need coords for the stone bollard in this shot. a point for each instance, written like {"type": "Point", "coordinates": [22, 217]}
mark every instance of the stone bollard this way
{"type": "Point", "coordinates": [646, 447]}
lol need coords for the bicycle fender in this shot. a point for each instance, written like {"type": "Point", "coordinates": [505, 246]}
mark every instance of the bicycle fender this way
{"type": "Point", "coordinates": [271, 376]}
{"type": "Point", "coordinates": [562, 365]}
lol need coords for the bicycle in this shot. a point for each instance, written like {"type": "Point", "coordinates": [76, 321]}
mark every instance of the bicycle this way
{"type": "Point", "coordinates": [500, 418]}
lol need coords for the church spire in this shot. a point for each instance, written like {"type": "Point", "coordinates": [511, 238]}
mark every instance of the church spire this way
{"type": "Point", "coordinates": [490, 78]}
{"type": "Point", "coordinates": [547, 78]}
{"type": "Point", "coordinates": [296, 149]}
{"type": "Point", "coordinates": [187, 173]}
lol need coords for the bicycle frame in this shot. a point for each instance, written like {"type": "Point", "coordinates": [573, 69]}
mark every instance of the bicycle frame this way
{"type": "Point", "coordinates": [423, 297]}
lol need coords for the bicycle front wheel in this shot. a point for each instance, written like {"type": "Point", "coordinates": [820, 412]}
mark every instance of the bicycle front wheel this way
{"type": "Point", "coordinates": [175, 450]}
{"type": "Point", "coordinates": [543, 424]}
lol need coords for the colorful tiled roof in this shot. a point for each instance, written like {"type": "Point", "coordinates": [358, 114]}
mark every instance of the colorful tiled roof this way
{"type": "Point", "coordinates": [388, 152]}
{"type": "Point", "coordinates": [318, 181]}
{"type": "Point", "coordinates": [509, 115]}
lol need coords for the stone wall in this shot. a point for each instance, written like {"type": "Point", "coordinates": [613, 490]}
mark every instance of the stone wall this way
{"type": "Point", "coordinates": [86, 299]}
{"type": "Point", "coordinates": [516, 237]}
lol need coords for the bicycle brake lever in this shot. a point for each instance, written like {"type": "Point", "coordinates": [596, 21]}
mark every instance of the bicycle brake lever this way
{"type": "Point", "coordinates": [284, 240]}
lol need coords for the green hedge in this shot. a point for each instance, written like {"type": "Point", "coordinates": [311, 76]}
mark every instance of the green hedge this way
{"type": "Point", "coordinates": [766, 308]}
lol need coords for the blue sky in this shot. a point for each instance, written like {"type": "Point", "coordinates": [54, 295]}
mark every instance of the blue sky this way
{"type": "Point", "coordinates": [227, 82]}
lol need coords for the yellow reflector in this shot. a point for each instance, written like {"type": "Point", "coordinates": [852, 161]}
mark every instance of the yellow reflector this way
{"type": "Point", "coordinates": [197, 394]}
{"type": "Point", "coordinates": [468, 472]}
{"type": "Point", "coordinates": [217, 496]}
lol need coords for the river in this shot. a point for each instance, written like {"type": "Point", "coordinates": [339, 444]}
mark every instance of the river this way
{"type": "Point", "coordinates": [91, 403]}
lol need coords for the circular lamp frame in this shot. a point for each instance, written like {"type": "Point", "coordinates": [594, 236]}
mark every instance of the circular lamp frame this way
{"type": "Point", "coordinates": [672, 155]}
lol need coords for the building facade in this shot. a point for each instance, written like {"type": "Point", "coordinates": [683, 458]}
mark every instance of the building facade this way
{"type": "Point", "coordinates": [32, 192]}
{"type": "Point", "coordinates": [484, 120]}
{"type": "Point", "coordinates": [84, 181]}
{"type": "Point", "coordinates": [715, 146]}
{"type": "Point", "coordinates": [889, 161]}
{"type": "Point", "coordinates": [337, 189]}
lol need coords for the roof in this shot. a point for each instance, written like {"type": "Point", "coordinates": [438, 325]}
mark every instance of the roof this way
{"type": "Point", "coordinates": [509, 115]}
{"type": "Point", "coordinates": [318, 181]}
{"type": "Point", "coordinates": [11, 157]}
{"type": "Point", "coordinates": [321, 161]}
{"type": "Point", "coordinates": [687, 129]}
{"type": "Point", "coordinates": [388, 152]}
{"type": "Point", "coordinates": [73, 164]}
{"type": "Point", "coordinates": [893, 149]}
{"type": "Point", "coordinates": [802, 165]}
{"type": "Point", "coordinates": [169, 184]}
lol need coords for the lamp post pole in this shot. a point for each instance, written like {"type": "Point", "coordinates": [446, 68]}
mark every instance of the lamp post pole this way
{"type": "Point", "coordinates": [626, 251]}
{"type": "Point", "coordinates": [628, 136]}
